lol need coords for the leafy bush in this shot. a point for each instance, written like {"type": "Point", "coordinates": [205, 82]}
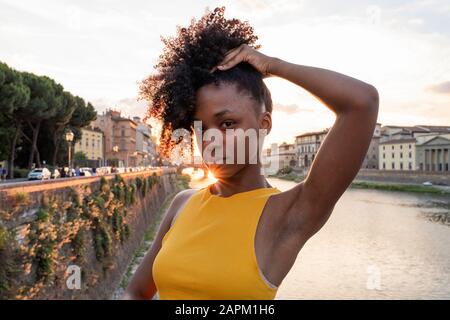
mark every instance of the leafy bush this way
{"type": "Point", "coordinates": [285, 170]}
{"type": "Point", "coordinates": [20, 173]}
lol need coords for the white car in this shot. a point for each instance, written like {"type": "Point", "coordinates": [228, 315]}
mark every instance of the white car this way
{"type": "Point", "coordinates": [39, 174]}
{"type": "Point", "coordinates": [103, 170]}
{"type": "Point", "coordinates": [120, 170]}
{"type": "Point", "coordinates": [87, 172]}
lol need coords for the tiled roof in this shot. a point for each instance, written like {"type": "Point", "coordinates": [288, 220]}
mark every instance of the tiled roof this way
{"type": "Point", "coordinates": [312, 133]}
{"type": "Point", "coordinates": [398, 141]}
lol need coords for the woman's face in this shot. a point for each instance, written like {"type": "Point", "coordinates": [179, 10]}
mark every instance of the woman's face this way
{"type": "Point", "coordinates": [223, 107]}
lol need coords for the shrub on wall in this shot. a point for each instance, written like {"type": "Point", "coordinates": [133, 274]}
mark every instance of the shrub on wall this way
{"type": "Point", "coordinates": [62, 232]}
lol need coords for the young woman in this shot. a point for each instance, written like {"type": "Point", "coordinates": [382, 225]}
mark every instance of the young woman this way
{"type": "Point", "coordinates": [238, 237]}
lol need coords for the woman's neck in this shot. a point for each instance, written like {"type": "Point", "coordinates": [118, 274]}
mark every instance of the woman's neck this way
{"type": "Point", "coordinates": [248, 178]}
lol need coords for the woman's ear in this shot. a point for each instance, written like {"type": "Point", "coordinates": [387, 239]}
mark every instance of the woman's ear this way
{"type": "Point", "coordinates": [266, 121]}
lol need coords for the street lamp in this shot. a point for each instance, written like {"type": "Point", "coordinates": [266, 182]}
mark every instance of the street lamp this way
{"type": "Point", "coordinates": [69, 139]}
{"type": "Point", "coordinates": [145, 160]}
{"type": "Point", "coordinates": [115, 150]}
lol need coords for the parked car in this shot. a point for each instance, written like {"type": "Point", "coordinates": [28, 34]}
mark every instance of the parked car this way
{"type": "Point", "coordinates": [87, 172]}
{"type": "Point", "coordinates": [39, 174]}
{"type": "Point", "coordinates": [427, 183]}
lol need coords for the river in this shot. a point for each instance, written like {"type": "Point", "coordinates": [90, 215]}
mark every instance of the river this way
{"type": "Point", "coordinates": [376, 245]}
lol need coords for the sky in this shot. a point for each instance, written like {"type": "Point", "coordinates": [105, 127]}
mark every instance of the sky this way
{"type": "Point", "coordinates": [101, 50]}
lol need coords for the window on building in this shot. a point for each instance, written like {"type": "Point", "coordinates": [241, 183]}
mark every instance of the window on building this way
{"type": "Point", "coordinates": [392, 147]}
{"type": "Point", "coordinates": [393, 155]}
{"type": "Point", "coordinates": [384, 155]}
{"type": "Point", "coordinates": [393, 165]}
{"type": "Point", "coordinates": [384, 165]}
{"type": "Point", "coordinates": [401, 165]}
{"type": "Point", "coordinates": [401, 146]}
{"type": "Point", "coordinates": [410, 166]}
{"type": "Point", "coordinates": [401, 154]}
{"type": "Point", "coordinates": [410, 154]}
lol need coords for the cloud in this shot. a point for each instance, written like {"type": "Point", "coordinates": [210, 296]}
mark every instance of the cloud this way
{"type": "Point", "coordinates": [441, 88]}
{"type": "Point", "coordinates": [129, 107]}
{"type": "Point", "coordinates": [290, 109]}
{"type": "Point", "coordinates": [100, 49]}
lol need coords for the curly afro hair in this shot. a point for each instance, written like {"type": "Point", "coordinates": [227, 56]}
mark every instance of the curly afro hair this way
{"type": "Point", "coordinates": [184, 67]}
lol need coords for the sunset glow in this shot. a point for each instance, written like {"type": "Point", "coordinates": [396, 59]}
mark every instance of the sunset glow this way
{"type": "Point", "coordinates": [402, 48]}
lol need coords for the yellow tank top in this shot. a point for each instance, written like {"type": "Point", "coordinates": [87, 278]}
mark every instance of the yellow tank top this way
{"type": "Point", "coordinates": [208, 253]}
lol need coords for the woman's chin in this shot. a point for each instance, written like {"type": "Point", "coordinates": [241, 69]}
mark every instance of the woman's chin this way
{"type": "Point", "coordinates": [223, 171]}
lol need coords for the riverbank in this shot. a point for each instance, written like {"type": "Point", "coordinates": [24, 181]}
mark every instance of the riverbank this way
{"type": "Point", "coordinates": [387, 186]}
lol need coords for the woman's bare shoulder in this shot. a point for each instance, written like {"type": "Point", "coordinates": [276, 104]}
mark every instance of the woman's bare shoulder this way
{"type": "Point", "coordinates": [179, 201]}
{"type": "Point", "coordinates": [182, 196]}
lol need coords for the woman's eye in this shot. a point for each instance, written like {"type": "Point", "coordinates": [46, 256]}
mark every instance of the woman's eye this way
{"type": "Point", "coordinates": [227, 124]}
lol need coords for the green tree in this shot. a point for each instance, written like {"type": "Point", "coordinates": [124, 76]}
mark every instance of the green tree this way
{"type": "Point", "coordinates": [45, 96]}
{"type": "Point", "coordinates": [35, 110]}
{"type": "Point", "coordinates": [60, 121]}
{"type": "Point", "coordinates": [14, 96]}
{"type": "Point", "coordinates": [80, 158]}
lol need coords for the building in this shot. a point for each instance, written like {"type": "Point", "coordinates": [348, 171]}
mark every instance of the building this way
{"type": "Point", "coordinates": [372, 155]}
{"type": "Point", "coordinates": [418, 147]}
{"type": "Point", "coordinates": [286, 155]}
{"type": "Point", "coordinates": [397, 154]}
{"type": "Point", "coordinates": [91, 144]}
{"type": "Point", "coordinates": [433, 152]}
{"type": "Point", "coordinates": [278, 157]}
{"type": "Point", "coordinates": [306, 147]}
{"type": "Point", "coordinates": [145, 146]}
{"type": "Point", "coordinates": [270, 162]}
{"type": "Point", "coordinates": [120, 138]}
{"type": "Point", "coordinates": [391, 132]}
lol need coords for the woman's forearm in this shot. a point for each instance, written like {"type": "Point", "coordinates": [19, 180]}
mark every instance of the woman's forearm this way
{"type": "Point", "coordinates": [337, 91]}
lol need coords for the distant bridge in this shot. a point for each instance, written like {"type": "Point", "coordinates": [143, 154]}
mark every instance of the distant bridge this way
{"type": "Point", "coordinates": [196, 167]}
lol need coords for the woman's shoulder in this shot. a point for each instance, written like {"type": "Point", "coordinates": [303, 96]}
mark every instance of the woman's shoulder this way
{"type": "Point", "coordinates": [183, 195]}
{"type": "Point", "coordinates": [180, 200]}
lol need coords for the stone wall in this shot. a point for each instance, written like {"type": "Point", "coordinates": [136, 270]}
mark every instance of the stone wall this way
{"type": "Point", "coordinates": [91, 224]}
{"type": "Point", "coordinates": [439, 178]}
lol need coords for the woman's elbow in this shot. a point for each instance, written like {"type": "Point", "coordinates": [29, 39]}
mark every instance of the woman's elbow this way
{"type": "Point", "coordinates": [371, 100]}
{"type": "Point", "coordinates": [368, 101]}
{"type": "Point", "coordinates": [135, 295]}
{"type": "Point", "coordinates": [373, 97]}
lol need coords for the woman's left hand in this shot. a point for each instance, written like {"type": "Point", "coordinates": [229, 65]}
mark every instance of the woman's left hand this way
{"type": "Point", "coordinates": [245, 53]}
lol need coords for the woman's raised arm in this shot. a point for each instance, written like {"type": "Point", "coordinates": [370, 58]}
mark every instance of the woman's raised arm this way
{"type": "Point", "coordinates": [355, 103]}
{"type": "Point", "coordinates": [339, 158]}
